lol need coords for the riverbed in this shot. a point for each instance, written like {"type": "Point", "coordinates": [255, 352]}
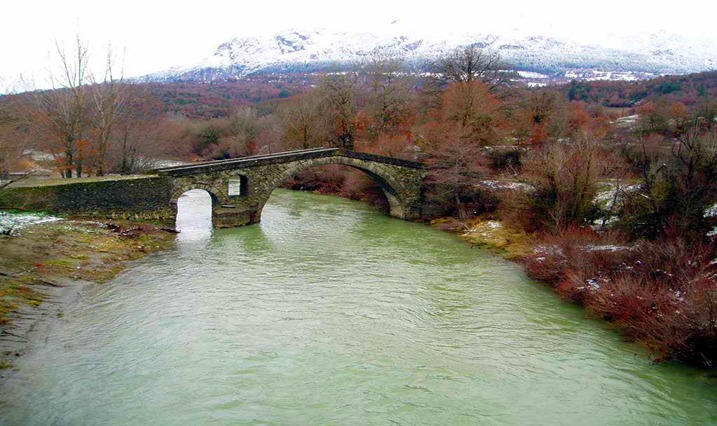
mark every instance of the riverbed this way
{"type": "Point", "coordinates": [329, 312]}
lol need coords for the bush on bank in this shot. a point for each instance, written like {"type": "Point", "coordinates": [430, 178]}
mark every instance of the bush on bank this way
{"type": "Point", "coordinates": [660, 293]}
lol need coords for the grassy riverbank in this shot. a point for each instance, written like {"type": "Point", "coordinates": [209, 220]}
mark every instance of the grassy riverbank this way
{"type": "Point", "coordinates": [40, 263]}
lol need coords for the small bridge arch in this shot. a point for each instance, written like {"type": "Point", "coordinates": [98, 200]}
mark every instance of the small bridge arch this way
{"type": "Point", "coordinates": [199, 185]}
{"type": "Point", "coordinates": [240, 187]}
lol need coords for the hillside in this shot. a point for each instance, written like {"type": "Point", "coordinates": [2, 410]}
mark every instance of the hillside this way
{"type": "Point", "coordinates": [206, 100]}
{"type": "Point", "coordinates": [689, 89]}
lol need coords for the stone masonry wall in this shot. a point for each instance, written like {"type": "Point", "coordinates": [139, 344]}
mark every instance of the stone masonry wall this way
{"type": "Point", "coordinates": [155, 197]}
{"type": "Point", "coordinates": [140, 198]}
{"type": "Point", "coordinates": [401, 184]}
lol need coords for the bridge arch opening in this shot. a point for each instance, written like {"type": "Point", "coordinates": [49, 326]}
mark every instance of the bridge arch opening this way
{"type": "Point", "coordinates": [195, 209]}
{"type": "Point", "coordinates": [238, 186]}
{"type": "Point", "coordinates": [345, 181]}
{"type": "Point", "coordinates": [391, 200]}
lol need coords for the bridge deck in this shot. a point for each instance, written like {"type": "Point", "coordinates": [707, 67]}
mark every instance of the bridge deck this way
{"type": "Point", "coordinates": [277, 158]}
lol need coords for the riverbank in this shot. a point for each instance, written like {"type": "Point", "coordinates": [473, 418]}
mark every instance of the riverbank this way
{"type": "Point", "coordinates": [44, 266]}
{"type": "Point", "coordinates": [490, 234]}
{"type": "Point", "coordinates": [659, 294]}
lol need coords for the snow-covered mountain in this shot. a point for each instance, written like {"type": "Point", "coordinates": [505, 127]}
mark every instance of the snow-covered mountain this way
{"type": "Point", "coordinates": [542, 57]}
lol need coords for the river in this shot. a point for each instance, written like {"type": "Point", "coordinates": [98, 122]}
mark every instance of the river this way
{"type": "Point", "coordinates": [329, 312]}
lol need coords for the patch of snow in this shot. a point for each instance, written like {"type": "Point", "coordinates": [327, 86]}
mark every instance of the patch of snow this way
{"type": "Point", "coordinates": [593, 284]}
{"type": "Point", "coordinates": [628, 119]}
{"type": "Point", "coordinates": [711, 211]}
{"type": "Point", "coordinates": [605, 221]}
{"type": "Point", "coordinates": [606, 247]}
{"type": "Point", "coordinates": [531, 74]}
{"type": "Point", "coordinates": [613, 194]}
{"type": "Point", "coordinates": [610, 201]}
{"type": "Point", "coordinates": [37, 155]}
{"type": "Point", "coordinates": [500, 185]}
{"type": "Point", "coordinates": [11, 222]}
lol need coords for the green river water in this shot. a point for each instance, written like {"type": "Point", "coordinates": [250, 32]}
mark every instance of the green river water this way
{"type": "Point", "coordinates": [329, 312]}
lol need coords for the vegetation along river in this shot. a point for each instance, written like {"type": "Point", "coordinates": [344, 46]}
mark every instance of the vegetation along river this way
{"type": "Point", "coordinates": [330, 312]}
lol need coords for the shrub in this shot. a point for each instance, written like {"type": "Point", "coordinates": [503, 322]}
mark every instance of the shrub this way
{"type": "Point", "coordinates": [566, 178]}
{"type": "Point", "coordinates": [662, 293]}
{"type": "Point", "coordinates": [505, 158]}
{"type": "Point", "coordinates": [581, 252]}
{"type": "Point", "coordinates": [677, 188]}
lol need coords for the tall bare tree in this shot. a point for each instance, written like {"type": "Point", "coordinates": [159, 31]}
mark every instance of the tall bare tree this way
{"type": "Point", "coordinates": [471, 63]}
{"type": "Point", "coordinates": [137, 132]}
{"type": "Point", "coordinates": [302, 122]}
{"type": "Point", "coordinates": [78, 113]}
{"type": "Point", "coordinates": [244, 130]}
{"type": "Point", "coordinates": [108, 98]}
{"type": "Point", "coordinates": [62, 111]}
{"type": "Point", "coordinates": [390, 91]}
{"type": "Point", "coordinates": [340, 92]}
{"type": "Point", "coordinates": [7, 118]}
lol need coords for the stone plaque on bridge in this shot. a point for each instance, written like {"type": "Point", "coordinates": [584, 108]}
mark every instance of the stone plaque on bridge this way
{"type": "Point", "coordinates": [235, 188]}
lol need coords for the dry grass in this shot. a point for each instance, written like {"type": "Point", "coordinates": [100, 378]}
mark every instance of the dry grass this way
{"type": "Point", "coordinates": [90, 251]}
{"type": "Point", "coordinates": [494, 235]}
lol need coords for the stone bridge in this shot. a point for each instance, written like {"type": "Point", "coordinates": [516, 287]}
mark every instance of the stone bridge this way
{"type": "Point", "coordinates": [240, 187]}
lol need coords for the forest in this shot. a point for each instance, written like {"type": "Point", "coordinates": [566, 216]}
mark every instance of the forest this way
{"type": "Point", "coordinates": [609, 186]}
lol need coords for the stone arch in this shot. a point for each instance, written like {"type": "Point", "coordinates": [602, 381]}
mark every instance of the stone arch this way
{"type": "Point", "coordinates": [179, 190]}
{"type": "Point", "coordinates": [392, 188]}
{"type": "Point", "coordinates": [190, 215]}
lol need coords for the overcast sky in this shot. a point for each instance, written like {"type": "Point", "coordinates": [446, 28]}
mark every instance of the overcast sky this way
{"type": "Point", "coordinates": [156, 35]}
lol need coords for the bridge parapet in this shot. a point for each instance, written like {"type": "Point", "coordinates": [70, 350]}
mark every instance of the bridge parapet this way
{"type": "Point", "coordinates": [279, 158]}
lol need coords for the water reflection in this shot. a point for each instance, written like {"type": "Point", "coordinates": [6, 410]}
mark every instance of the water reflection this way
{"type": "Point", "coordinates": [194, 217]}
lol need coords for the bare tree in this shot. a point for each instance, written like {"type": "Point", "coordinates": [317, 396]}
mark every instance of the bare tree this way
{"type": "Point", "coordinates": [137, 131]}
{"type": "Point", "coordinates": [475, 111]}
{"type": "Point", "coordinates": [566, 178]}
{"type": "Point", "coordinates": [108, 99]}
{"type": "Point", "coordinates": [61, 112]}
{"type": "Point", "coordinates": [78, 113]}
{"type": "Point", "coordinates": [390, 91]}
{"type": "Point", "coordinates": [677, 188]}
{"type": "Point", "coordinates": [470, 63]}
{"type": "Point", "coordinates": [302, 121]}
{"type": "Point", "coordinates": [339, 91]}
{"type": "Point", "coordinates": [7, 119]}
{"type": "Point", "coordinates": [244, 130]}
{"type": "Point", "coordinates": [456, 167]}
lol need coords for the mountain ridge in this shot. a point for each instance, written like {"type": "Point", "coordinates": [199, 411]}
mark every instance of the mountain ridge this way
{"type": "Point", "coordinates": [554, 59]}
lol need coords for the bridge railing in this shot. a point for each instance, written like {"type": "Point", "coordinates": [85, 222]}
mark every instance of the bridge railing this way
{"type": "Point", "coordinates": [241, 159]}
